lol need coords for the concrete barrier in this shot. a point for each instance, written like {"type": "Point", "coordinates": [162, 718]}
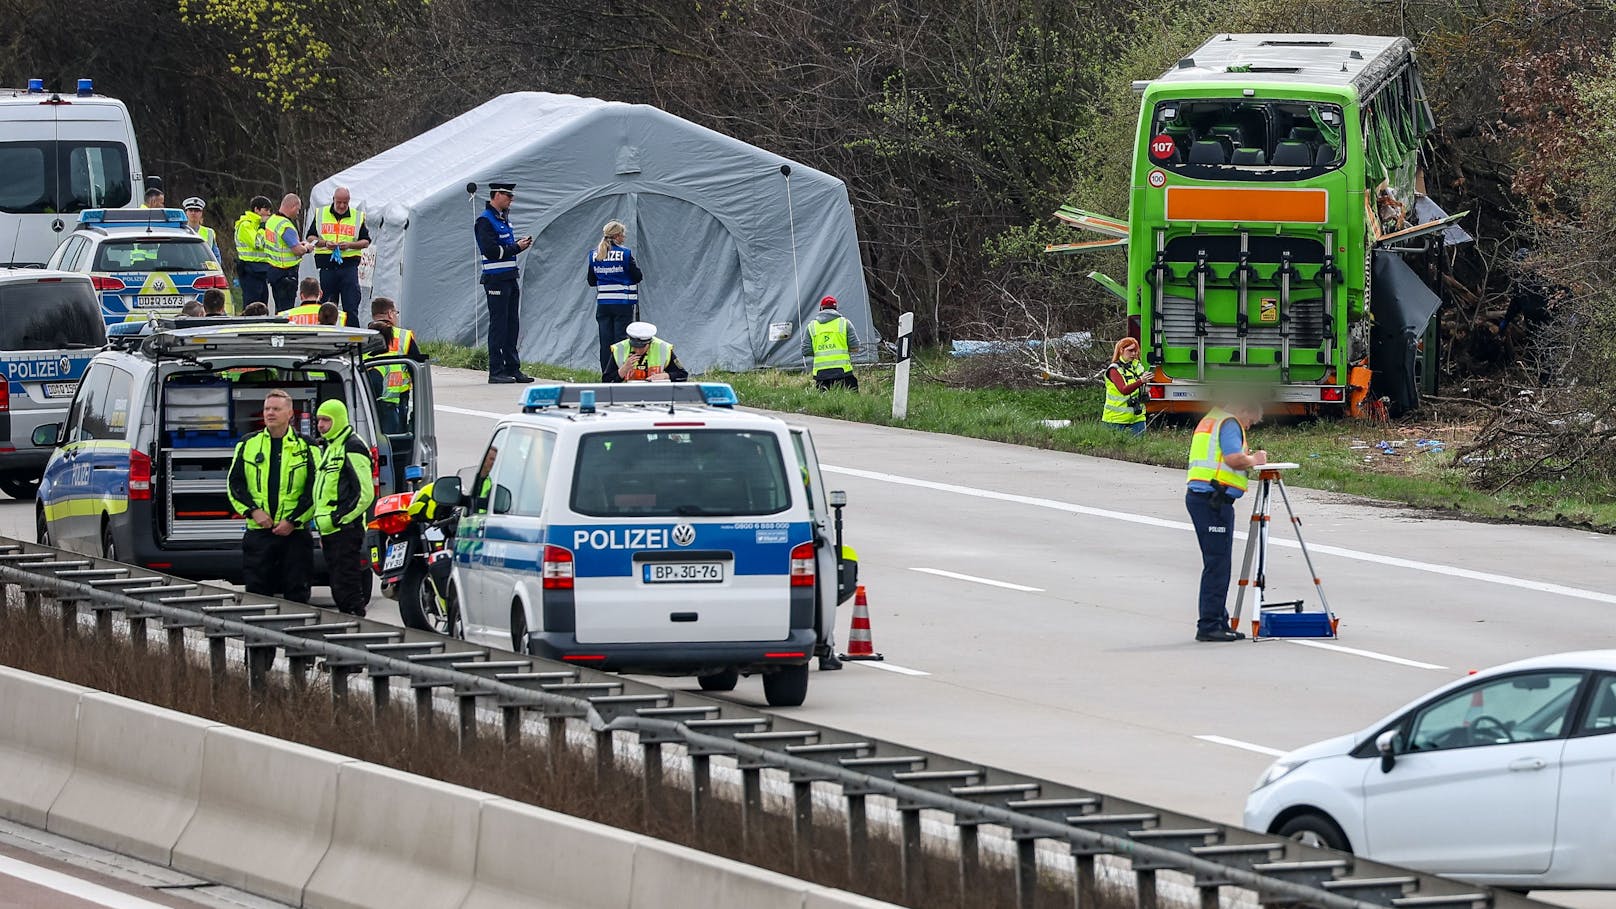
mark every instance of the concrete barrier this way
{"type": "Point", "coordinates": [264, 814]}
{"type": "Point", "coordinates": [398, 840]}
{"type": "Point", "coordinates": [674, 877]}
{"type": "Point", "coordinates": [530, 858]}
{"type": "Point", "coordinates": [137, 770]}
{"type": "Point", "coordinates": [39, 722]}
{"type": "Point", "coordinates": [824, 898]}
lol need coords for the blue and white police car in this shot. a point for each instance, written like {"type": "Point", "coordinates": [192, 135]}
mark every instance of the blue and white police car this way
{"type": "Point", "coordinates": [143, 262]}
{"type": "Point", "coordinates": [651, 528]}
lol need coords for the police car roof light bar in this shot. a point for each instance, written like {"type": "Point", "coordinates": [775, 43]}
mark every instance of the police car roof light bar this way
{"type": "Point", "coordinates": [86, 88]}
{"type": "Point", "coordinates": [538, 397]}
{"type": "Point", "coordinates": [36, 86]}
{"type": "Point", "coordinates": [709, 394]}
{"type": "Point", "coordinates": [147, 216]}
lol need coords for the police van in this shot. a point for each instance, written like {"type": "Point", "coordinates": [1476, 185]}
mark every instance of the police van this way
{"type": "Point", "coordinates": [651, 528]}
{"type": "Point", "coordinates": [141, 460]}
{"type": "Point", "coordinates": [60, 153]}
{"type": "Point", "coordinates": [50, 327]}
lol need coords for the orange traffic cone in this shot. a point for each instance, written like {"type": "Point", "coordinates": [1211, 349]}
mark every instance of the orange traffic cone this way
{"type": "Point", "coordinates": [859, 644]}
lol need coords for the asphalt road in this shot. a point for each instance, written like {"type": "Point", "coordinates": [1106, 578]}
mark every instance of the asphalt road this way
{"type": "Point", "coordinates": [1037, 610]}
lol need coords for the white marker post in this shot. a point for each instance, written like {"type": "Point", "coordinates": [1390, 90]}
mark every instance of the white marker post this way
{"type": "Point", "coordinates": [900, 376]}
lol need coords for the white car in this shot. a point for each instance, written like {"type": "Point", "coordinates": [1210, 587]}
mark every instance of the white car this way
{"type": "Point", "coordinates": [1505, 777]}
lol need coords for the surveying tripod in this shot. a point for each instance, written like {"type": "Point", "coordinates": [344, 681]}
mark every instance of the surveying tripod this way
{"type": "Point", "coordinates": [1267, 619]}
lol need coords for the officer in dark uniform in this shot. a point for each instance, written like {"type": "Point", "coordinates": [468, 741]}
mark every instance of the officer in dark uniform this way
{"type": "Point", "coordinates": [501, 281]}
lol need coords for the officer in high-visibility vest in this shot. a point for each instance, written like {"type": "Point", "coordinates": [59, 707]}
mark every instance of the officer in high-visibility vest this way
{"type": "Point", "coordinates": [194, 207]}
{"type": "Point", "coordinates": [828, 346]}
{"type": "Point", "coordinates": [1218, 463]}
{"type": "Point", "coordinates": [272, 483]}
{"type": "Point", "coordinates": [392, 382]}
{"type": "Point", "coordinates": [339, 234]}
{"type": "Point", "coordinates": [344, 487]}
{"type": "Point", "coordinates": [285, 249]}
{"type": "Point", "coordinates": [644, 357]}
{"type": "Point", "coordinates": [502, 283]}
{"type": "Point", "coordinates": [1125, 389]}
{"type": "Point", "coordinates": [307, 310]}
{"type": "Point", "coordinates": [252, 263]}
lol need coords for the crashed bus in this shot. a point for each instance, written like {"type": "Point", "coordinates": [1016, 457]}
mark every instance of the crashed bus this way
{"type": "Point", "coordinates": [1278, 229]}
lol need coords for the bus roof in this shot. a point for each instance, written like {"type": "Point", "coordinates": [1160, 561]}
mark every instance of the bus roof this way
{"type": "Point", "coordinates": [1359, 61]}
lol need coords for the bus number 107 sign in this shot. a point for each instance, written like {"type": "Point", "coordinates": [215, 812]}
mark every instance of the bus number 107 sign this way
{"type": "Point", "coordinates": [1161, 147]}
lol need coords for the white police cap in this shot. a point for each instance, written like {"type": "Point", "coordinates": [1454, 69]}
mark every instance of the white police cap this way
{"type": "Point", "coordinates": [641, 331]}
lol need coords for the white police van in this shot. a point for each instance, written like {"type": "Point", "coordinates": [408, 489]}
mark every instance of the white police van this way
{"type": "Point", "coordinates": [651, 528]}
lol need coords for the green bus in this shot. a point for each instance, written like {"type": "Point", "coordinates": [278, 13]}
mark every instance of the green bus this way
{"type": "Point", "coordinates": [1278, 229]}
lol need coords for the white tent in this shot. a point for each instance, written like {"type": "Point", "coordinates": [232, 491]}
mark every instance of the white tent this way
{"type": "Point", "coordinates": [737, 244]}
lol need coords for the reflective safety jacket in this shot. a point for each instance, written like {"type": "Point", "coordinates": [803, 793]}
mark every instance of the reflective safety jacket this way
{"type": "Point", "coordinates": [395, 378]}
{"type": "Point", "coordinates": [343, 481]}
{"type": "Point", "coordinates": [276, 475]}
{"type": "Point", "coordinates": [1117, 408]}
{"type": "Point", "coordinates": [656, 360]}
{"type": "Point", "coordinates": [209, 237]}
{"type": "Point", "coordinates": [250, 238]}
{"type": "Point", "coordinates": [497, 244]}
{"type": "Point", "coordinates": [830, 342]}
{"type": "Point", "coordinates": [616, 278]}
{"type": "Point", "coordinates": [1206, 454]}
{"type": "Point", "coordinates": [340, 230]}
{"type": "Point", "coordinates": [276, 252]}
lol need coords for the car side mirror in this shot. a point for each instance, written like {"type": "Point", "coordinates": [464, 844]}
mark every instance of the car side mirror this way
{"type": "Point", "coordinates": [45, 436]}
{"type": "Point", "coordinates": [502, 500]}
{"type": "Point", "coordinates": [446, 492]}
{"type": "Point", "coordinates": [1386, 744]}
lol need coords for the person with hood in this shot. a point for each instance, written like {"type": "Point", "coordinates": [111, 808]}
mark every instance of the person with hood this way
{"type": "Point", "coordinates": [828, 347]}
{"type": "Point", "coordinates": [343, 492]}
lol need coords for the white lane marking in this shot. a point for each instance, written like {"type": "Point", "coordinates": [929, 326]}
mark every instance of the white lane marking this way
{"type": "Point", "coordinates": [976, 580]}
{"type": "Point", "coordinates": [889, 667]}
{"type": "Point", "coordinates": [1243, 746]}
{"type": "Point", "coordinates": [1391, 561]}
{"type": "Point", "coordinates": [1387, 658]}
{"type": "Point", "coordinates": [72, 886]}
{"type": "Point", "coordinates": [467, 413]}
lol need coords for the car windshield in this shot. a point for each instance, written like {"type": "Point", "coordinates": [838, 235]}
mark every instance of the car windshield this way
{"type": "Point", "coordinates": [176, 254]}
{"type": "Point", "coordinates": [50, 315]}
{"type": "Point", "coordinates": [1246, 139]}
{"type": "Point", "coordinates": [680, 473]}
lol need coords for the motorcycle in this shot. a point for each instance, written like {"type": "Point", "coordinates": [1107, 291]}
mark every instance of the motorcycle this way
{"type": "Point", "coordinates": [412, 554]}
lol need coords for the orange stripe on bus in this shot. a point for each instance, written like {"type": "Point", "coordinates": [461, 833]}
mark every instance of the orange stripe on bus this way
{"type": "Point", "coordinates": [1285, 206]}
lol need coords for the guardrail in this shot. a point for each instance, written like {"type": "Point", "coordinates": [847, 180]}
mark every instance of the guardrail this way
{"type": "Point", "coordinates": [1088, 824]}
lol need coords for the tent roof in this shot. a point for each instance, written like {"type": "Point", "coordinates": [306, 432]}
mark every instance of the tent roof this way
{"type": "Point", "coordinates": [473, 146]}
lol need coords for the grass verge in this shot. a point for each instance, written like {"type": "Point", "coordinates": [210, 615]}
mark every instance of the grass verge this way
{"type": "Point", "coordinates": [1336, 455]}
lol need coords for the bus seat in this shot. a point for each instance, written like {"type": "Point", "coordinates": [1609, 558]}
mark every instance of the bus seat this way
{"type": "Point", "coordinates": [1234, 131]}
{"type": "Point", "coordinates": [1293, 154]}
{"type": "Point", "coordinates": [1208, 151]}
{"type": "Point", "coordinates": [1307, 134]}
{"type": "Point", "coordinates": [1325, 155]}
{"type": "Point", "coordinates": [1249, 157]}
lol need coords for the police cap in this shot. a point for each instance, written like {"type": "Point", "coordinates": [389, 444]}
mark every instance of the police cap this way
{"type": "Point", "coordinates": [508, 189]}
{"type": "Point", "coordinates": [641, 331]}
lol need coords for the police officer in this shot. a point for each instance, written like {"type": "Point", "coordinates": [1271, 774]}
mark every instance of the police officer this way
{"type": "Point", "coordinates": [272, 483]}
{"type": "Point", "coordinates": [383, 309]}
{"type": "Point", "coordinates": [616, 278]}
{"type": "Point", "coordinates": [501, 281]}
{"type": "Point", "coordinates": [828, 346]}
{"type": "Point", "coordinates": [252, 263]}
{"type": "Point", "coordinates": [307, 310]}
{"type": "Point", "coordinates": [1217, 477]}
{"type": "Point", "coordinates": [284, 249]}
{"type": "Point", "coordinates": [154, 197]}
{"type": "Point", "coordinates": [391, 382]}
{"type": "Point", "coordinates": [644, 357]}
{"type": "Point", "coordinates": [339, 234]}
{"type": "Point", "coordinates": [194, 207]}
{"type": "Point", "coordinates": [1125, 389]}
{"type": "Point", "coordinates": [343, 492]}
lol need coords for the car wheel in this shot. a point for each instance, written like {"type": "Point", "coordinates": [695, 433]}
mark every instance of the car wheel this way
{"type": "Point", "coordinates": [416, 603]}
{"type": "Point", "coordinates": [518, 628]}
{"type": "Point", "coordinates": [1315, 830]}
{"type": "Point", "coordinates": [109, 546]}
{"type": "Point", "coordinates": [786, 687]}
{"type": "Point", "coordinates": [720, 681]}
{"type": "Point", "coordinates": [455, 622]}
{"type": "Point", "coordinates": [41, 527]}
{"type": "Point", "coordinates": [21, 488]}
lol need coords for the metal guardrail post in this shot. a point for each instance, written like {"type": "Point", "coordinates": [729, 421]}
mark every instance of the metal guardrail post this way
{"type": "Point", "coordinates": [1088, 824]}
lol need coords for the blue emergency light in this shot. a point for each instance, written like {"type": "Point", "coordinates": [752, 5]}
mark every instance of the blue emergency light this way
{"type": "Point", "coordinates": [413, 472]}
{"type": "Point", "coordinates": [147, 216]}
{"type": "Point", "coordinates": [36, 86]}
{"type": "Point", "coordinates": [718, 394]}
{"type": "Point", "coordinates": [586, 401]}
{"type": "Point", "coordinates": [86, 88]}
{"type": "Point", "coordinates": [538, 397]}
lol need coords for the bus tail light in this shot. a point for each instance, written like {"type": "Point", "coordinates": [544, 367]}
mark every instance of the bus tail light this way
{"type": "Point", "coordinates": [1332, 394]}
{"type": "Point", "coordinates": [802, 565]}
{"type": "Point", "coordinates": [557, 568]}
{"type": "Point", "coordinates": [139, 476]}
{"type": "Point", "coordinates": [1158, 392]}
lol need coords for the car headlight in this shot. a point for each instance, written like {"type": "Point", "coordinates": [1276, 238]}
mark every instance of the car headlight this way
{"type": "Point", "coordinates": [1277, 771]}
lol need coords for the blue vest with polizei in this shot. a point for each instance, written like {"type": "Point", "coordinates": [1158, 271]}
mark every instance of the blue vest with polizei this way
{"type": "Point", "coordinates": [613, 285]}
{"type": "Point", "coordinates": [507, 237]}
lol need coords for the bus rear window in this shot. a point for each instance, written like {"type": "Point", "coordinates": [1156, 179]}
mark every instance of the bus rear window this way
{"type": "Point", "coordinates": [50, 315]}
{"type": "Point", "coordinates": [1246, 139]}
{"type": "Point", "coordinates": [679, 472]}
